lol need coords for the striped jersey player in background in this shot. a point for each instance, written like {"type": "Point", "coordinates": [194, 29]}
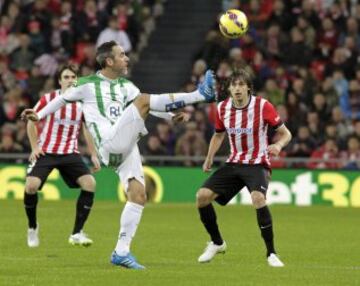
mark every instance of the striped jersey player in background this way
{"type": "Point", "coordinates": [54, 144]}
{"type": "Point", "coordinates": [115, 111]}
{"type": "Point", "coordinates": [245, 119]}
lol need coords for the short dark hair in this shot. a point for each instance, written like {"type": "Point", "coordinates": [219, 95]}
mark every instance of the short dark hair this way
{"type": "Point", "coordinates": [70, 67]}
{"type": "Point", "coordinates": [104, 51]}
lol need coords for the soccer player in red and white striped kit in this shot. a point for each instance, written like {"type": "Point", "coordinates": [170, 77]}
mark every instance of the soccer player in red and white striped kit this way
{"type": "Point", "coordinates": [54, 144]}
{"type": "Point", "coordinates": [245, 119]}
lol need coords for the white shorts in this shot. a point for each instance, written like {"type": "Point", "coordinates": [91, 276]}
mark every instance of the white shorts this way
{"type": "Point", "coordinates": [131, 168]}
{"type": "Point", "coordinates": [120, 150]}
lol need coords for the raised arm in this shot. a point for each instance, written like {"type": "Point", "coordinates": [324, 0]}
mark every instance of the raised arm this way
{"type": "Point", "coordinates": [70, 95]}
{"type": "Point", "coordinates": [214, 146]}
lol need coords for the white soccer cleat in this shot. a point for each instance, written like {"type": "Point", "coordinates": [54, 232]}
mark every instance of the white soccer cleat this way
{"type": "Point", "coordinates": [80, 238]}
{"type": "Point", "coordinates": [210, 251]}
{"type": "Point", "coordinates": [33, 237]}
{"type": "Point", "coordinates": [274, 261]}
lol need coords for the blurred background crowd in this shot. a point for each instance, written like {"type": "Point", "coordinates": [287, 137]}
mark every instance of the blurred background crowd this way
{"type": "Point", "coordinates": [303, 55]}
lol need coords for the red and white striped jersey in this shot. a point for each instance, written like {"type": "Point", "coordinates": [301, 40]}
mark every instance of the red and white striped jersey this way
{"type": "Point", "coordinates": [247, 129]}
{"type": "Point", "coordinates": [58, 132]}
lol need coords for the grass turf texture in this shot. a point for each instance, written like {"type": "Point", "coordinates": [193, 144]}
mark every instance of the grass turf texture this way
{"type": "Point", "coordinates": [319, 245]}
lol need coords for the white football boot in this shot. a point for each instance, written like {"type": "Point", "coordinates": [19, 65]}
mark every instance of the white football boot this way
{"type": "Point", "coordinates": [274, 261]}
{"type": "Point", "coordinates": [33, 237]}
{"type": "Point", "coordinates": [80, 238]}
{"type": "Point", "coordinates": [210, 251]}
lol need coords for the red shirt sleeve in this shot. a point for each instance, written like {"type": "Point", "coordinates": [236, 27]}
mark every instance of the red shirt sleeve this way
{"type": "Point", "coordinates": [219, 124]}
{"type": "Point", "coordinates": [271, 116]}
{"type": "Point", "coordinates": [41, 103]}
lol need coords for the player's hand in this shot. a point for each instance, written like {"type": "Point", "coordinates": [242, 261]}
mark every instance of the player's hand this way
{"type": "Point", "coordinates": [181, 117]}
{"type": "Point", "coordinates": [96, 162]}
{"type": "Point", "coordinates": [35, 154]}
{"type": "Point", "coordinates": [207, 164]}
{"type": "Point", "coordinates": [29, 114]}
{"type": "Point", "coordinates": [274, 149]}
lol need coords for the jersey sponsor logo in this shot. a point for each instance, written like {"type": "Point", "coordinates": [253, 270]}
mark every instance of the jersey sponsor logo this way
{"type": "Point", "coordinates": [233, 130]}
{"type": "Point", "coordinates": [114, 110]}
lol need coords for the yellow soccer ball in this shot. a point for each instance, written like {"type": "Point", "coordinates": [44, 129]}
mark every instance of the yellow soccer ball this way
{"type": "Point", "coordinates": [233, 24]}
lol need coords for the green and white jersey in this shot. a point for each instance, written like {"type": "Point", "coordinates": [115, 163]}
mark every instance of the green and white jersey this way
{"type": "Point", "coordinates": [104, 100]}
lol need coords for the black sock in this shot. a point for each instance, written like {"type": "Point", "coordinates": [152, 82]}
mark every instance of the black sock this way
{"type": "Point", "coordinates": [265, 224]}
{"type": "Point", "coordinates": [83, 208]}
{"type": "Point", "coordinates": [208, 218]}
{"type": "Point", "coordinates": [30, 203]}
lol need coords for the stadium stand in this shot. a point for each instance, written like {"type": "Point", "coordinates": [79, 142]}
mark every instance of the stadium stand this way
{"type": "Point", "coordinates": [304, 56]}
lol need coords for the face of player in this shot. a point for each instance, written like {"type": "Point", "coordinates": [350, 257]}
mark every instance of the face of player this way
{"type": "Point", "coordinates": [119, 62]}
{"type": "Point", "coordinates": [239, 91]}
{"type": "Point", "coordinates": [67, 79]}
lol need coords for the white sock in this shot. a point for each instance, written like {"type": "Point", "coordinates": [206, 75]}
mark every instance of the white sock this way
{"type": "Point", "coordinates": [129, 220]}
{"type": "Point", "coordinates": [172, 101]}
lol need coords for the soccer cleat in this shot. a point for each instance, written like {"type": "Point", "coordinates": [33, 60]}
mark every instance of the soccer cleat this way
{"type": "Point", "coordinates": [80, 238]}
{"type": "Point", "coordinates": [210, 251]}
{"type": "Point", "coordinates": [127, 261]}
{"type": "Point", "coordinates": [274, 261]}
{"type": "Point", "coordinates": [208, 87]}
{"type": "Point", "coordinates": [33, 237]}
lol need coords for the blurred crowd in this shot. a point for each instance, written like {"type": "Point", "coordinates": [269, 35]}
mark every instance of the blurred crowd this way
{"type": "Point", "coordinates": [304, 56]}
{"type": "Point", "coordinates": [38, 36]}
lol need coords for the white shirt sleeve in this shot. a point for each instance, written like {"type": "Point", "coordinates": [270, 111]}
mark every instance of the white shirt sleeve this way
{"type": "Point", "coordinates": [132, 91]}
{"type": "Point", "coordinates": [71, 94]}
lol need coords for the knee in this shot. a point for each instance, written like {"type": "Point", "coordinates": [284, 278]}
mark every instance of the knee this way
{"type": "Point", "coordinates": [203, 197]}
{"type": "Point", "coordinates": [258, 199]}
{"type": "Point", "coordinates": [32, 186]}
{"type": "Point", "coordinates": [87, 183]}
{"type": "Point", "coordinates": [136, 193]}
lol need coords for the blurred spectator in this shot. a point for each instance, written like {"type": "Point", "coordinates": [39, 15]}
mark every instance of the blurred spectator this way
{"type": "Point", "coordinates": [90, 22]}
{"type": "Point", "coordinates": [37, 40]}
{"type": "Point", "coordinates": [303, 144]}
{"type": "Point", "coordinates": [296, 52]}
{"type": "Point", "coordinates": [337, 118]}
{"type": "Point", "coordinates": [351, 156]}
{"type": "Point", "coordinates": [35, 83]}
{"type": "Point", "coordinates": [308, 32]}
{"type": "Point", "coordinates": [274, 42]}
{"type": "Point", "coordinates": [214, 50]}
{"type": "Point", "coordinates": [325, 157]}
{"type": "Point", "coordinates": [112, 32]}
{"type": "Point", "coordinates": [154, 147]}
{"type": "Point", "coordinates": [21, 59]}
{"type": "Point", "coordinates": [166, 136]}
{"type": "Point", "coordinates": [66, 27]}
{"type": "Point", "coordinates": [191, 143]}
{"type": "Point", "coordinates": [127, 22]}
{"type": "Point", "coordinates": [319, 106]}
{"type": "Point", "coordinates": [198, 71]}
{"type": "Point", "coordinates": [315, 126]}
{"type": "Point", "coordinates": [273, 93]}
{"type": "Point", "coordinates": [7, 142]}
{"type": "Point", "coordinates": [280, 16]}
{"type": "Point", "coordinates": [351, 101]}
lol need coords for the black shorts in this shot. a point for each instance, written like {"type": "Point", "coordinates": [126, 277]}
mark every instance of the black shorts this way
{"type": "Point", "coordinates": [228, 180]}
{"type": "Point", "coordinates": [70, 166]}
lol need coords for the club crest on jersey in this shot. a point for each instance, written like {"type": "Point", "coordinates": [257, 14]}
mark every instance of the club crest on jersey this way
{"type": "Point", "coordinates": [114, 110]}
{"type": "Point", "coordinates": [233, 130]}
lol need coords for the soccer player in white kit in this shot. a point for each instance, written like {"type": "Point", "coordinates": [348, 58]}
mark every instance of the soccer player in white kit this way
{"type": "Point", "coordinates": [115, 111]}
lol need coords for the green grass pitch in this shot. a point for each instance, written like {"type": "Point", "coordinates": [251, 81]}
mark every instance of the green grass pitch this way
{"type": "Point", "coordinates": [319, 245]}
